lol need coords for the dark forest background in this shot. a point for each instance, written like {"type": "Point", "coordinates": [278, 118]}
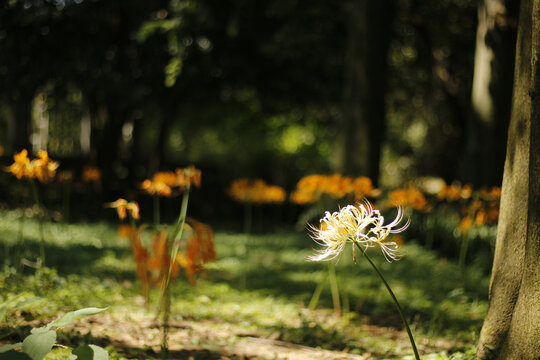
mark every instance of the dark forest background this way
{"type": "Point", "coordinates": [393, 90]}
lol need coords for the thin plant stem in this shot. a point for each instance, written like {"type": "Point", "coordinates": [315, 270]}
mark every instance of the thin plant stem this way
{"type": "Point", "coordinates": [157, 214]}
{"type": "Point", "coordinates": [411, 338]}
{"type": "Point", "coordinates": [165, 300]}
{"type": "Point", "coordinates": [40, 218]}
{"type": "Point", "coordinates": [165, 325]}
{"type": "Point", "coordinates": [317, 293]}
{"type": "Point", "coordinates": [334, 287]}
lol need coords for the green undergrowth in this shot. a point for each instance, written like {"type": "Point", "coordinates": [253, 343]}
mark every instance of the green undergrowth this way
{"type": "Point", "coordinates": [260, 288]}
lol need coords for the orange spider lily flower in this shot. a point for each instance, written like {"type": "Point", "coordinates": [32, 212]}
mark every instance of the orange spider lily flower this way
{"type": "Point", "coordinates": [199, 249]}
{"type": "Point", "coordinates": [91, 174]}
{"type": "Point", "coordinates": [122, 207]}
{"type": "Point", "coordinates": [44, 167]}
{"type": "Point", "coordinates": [465, 224]}
{"type": "Point", "coordinates": [255, 191]}
{"type": "Point", "coordinates": [188, 176]}
{"type": "Point", "coordinates": [65, 176]}
{"type": "Point", "coordinates": [21, 167]}
{"type": "Point", "coordinates": [156, 188]}
{"type": "Point", "coordinates": [161, 259]}
{"type": "Point", "coordinates": [310, 188]}
{"type": "Point", "coordinates": [409, 196]}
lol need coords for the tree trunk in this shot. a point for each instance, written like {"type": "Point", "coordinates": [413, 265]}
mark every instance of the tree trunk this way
{"type": "Point", "coordinates": [491, 98]}
{"type": "Point", "coordinates": [364, 109]}
{"type": "Point", "coordinates": [512, 326]}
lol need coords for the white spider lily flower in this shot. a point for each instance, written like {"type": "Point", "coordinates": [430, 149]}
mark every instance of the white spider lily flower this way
{"type": "Point", "coordinates": [360, 225]}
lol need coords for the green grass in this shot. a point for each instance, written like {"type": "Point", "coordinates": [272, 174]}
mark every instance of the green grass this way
{"type": "Point", "coordinates": [88, 265]}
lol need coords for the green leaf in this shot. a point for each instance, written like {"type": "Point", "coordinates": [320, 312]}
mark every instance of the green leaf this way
{"type": "Point", "coordinates": [14, 355]}
{"type": "Point", "coordinates": [9, 347]}
{"type": "Point", "coordinates": [40, 330]}
{"type": "Point", "coordinates": [91, 352]}
{"type": "Point", "coordinates": [40, 344]}
{"type": "Point", "coordinates": [74, 315]}
{"type": "Point", "coordinates": [26, 302]}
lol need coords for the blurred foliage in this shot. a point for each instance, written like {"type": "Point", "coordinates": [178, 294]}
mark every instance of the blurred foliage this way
{"type": "Point", "coordinates": [184, 81]}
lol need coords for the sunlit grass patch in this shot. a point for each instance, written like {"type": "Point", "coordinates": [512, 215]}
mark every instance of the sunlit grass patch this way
{"type": "Point", "coordinates": [91, 266]}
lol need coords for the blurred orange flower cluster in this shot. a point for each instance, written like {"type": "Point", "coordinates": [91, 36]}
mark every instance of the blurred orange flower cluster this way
{"type": "Point", "coordinates": [163, 183]}
{"type": "Point", "coordinates": [65, 176]}
{"type": "Point", "coordinates": [483, 210]}
{"type": "Point", "coordinates": [42, 168]}
{"type": "Point", "coordinates": [91, 174]}
{"type": "Point", "coordinates": [310, 188]}
{"type": "Point", "coordinates": [255, 191]}
{"type": "Point", "coordinates": [122, 207]}
{"type": "Point", "coordinates": [153, 265]}
{"type": "Point", "coordinates": [455, 192]}
{"type": "Point", "coordinates": [199, 251]}
{"type": "Point", "coordinates": [408, 196]}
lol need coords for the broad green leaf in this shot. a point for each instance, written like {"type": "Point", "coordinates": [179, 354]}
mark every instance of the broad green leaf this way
{"type": "Point", "coordinates": [74, 315]}
{"type": "Point", "coordinates": [38, 345]}
{"type": "Point", "coordinates": [91, 352]}
{"type": "Point", "coordinates": [40, 330]}
{"type": "Point", "coordinates": [9, 347]}
{"type": "Point", "coordinates": [14, 355]}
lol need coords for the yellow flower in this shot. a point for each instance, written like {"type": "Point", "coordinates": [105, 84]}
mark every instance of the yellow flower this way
{"type": "Point", "coordinates": [361, 225]}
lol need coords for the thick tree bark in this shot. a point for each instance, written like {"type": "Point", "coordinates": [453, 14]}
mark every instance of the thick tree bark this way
{"type": "Point", "coordinates": [491, 98]}
{"type": "Point", "coordinates": [512, 327]}
{"type": "Point", "coordinates": [364, 109]}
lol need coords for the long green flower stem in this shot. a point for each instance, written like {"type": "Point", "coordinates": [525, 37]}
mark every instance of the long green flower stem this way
{"type": "Point", "coordinates": [165, 301]}
{"type": "Point", "coordinates": [40, 217]}
{"type": "Point", "coordinates": [411, 338]}
{"type": "Point", "coordinates": [334, 288]}
{"type": "Point", "coordinates": [248, 221]}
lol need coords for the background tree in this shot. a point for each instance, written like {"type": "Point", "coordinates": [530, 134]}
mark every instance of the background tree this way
{"type": "Point", "coordinates": [491, 97]}
{"type": "Point", "coordinates": [511, 330]}
{"type": "Point", "coordinates": [364, 94]}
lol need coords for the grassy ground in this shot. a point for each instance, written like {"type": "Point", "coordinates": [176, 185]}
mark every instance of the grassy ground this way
{"type": "Point", "coordinates": [258, 297]}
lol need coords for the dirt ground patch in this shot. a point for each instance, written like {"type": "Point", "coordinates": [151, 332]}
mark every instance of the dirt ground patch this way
{"type": "Point", "coordinates": [217, 340]}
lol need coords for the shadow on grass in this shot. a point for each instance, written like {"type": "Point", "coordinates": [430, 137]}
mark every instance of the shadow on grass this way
{"type": "Point", "coordinates": [105, 261]}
